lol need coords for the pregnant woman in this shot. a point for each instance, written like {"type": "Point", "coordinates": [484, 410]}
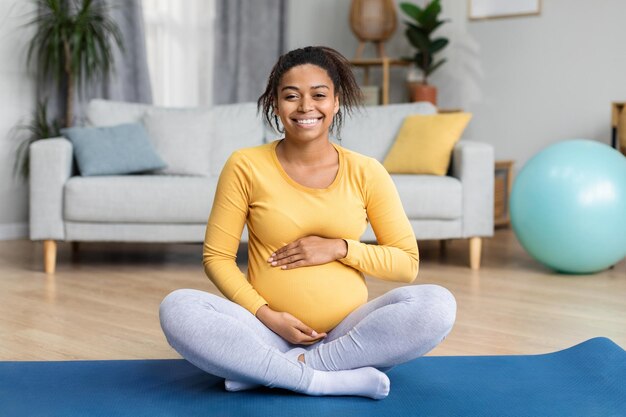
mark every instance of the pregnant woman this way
{"type": "Point", "coordinates": [300, 319]}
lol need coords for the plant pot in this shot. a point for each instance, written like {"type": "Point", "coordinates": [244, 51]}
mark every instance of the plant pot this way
{"type": "Point", "coordinates": [423, 92]}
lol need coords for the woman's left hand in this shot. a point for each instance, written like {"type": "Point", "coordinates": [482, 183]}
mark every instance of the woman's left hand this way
{"type": "Point", "coordinates": [307, 251]}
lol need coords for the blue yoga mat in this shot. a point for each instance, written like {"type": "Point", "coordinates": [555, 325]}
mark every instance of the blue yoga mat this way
{"type": "Point", "coordinates": [588, 379]}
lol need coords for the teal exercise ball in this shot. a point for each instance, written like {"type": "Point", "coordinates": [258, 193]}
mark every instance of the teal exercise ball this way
{"type": "Point", "coordinates": [568, 206]}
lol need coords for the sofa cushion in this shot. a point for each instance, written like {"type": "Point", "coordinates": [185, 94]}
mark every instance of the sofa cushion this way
{"type": "Point", "coordinates": [113, 150]}
{"type": "Point", "coordinates": [181, 138]}
{"type": "Point", "coordinates": [430, 197]}
{"type": "Point", "coordinates": [425, 142]}
{"type": "Point", "coordinates": [139, 199]}
{"type": "Point", "coordinates": [108, 112]}
{"type": "Point", "coordinates": [231, 126]}
{"type": "Point", "coordinates": [372, 130]}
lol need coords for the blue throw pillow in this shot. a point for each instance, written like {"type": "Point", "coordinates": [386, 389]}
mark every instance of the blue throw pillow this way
{"type": "Point", "coordinates": [113, 150]}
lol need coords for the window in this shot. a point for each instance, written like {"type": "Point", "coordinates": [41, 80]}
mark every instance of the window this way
{"type": "Point", "coordinates": [179, 43]}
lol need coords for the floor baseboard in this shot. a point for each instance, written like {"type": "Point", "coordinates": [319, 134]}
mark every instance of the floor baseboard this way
{"type": "Point", "coordinates": [12, 231]}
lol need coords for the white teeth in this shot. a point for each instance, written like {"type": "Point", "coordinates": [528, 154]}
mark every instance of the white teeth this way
{"type": "Point", "coordinates": [306, 121]}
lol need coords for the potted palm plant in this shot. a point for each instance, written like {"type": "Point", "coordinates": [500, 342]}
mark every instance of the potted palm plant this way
{"type": "Point", "coordinates": [72, 44]}
{"type": "Point", "coordinates": [420, 27]}
{"type": "Point", "coordinates": [39, 127]}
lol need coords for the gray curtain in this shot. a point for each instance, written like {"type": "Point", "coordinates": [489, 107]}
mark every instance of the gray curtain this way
{"type": "Point", "coordinates": [249, 38]}
{"type": "Point", "coordinates": [129, 80]}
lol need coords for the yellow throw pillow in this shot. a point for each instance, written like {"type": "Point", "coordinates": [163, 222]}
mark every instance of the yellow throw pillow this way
{"type": "Point", "coordinates": [425, 142]}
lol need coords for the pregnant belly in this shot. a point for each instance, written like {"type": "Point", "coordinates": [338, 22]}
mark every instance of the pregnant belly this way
{"type": "Point", "coordinates": [320, 296]}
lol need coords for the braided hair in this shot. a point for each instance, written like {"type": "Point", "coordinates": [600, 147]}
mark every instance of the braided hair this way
{"type": "Point", "coordinates": [339, 71]}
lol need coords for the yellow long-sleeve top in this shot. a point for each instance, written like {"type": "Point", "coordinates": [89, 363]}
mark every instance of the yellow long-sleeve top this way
{"type": "Point", "coordinates": [254, 189]}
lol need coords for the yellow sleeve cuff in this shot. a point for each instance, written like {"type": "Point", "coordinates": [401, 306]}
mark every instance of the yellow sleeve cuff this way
{"type": "Point", "coordinates": [257, 306]}
{"type": "Point", "coordinates": [353, 249]}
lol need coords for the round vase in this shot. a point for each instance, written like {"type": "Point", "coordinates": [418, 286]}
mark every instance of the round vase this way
{"type": "Point", "coordinates": [423, 92]}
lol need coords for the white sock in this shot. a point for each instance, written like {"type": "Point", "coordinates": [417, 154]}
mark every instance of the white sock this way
{"type": "Point", "coordinates": [234, 386]}
{"type": "Point", "coordinates": [364, 382]}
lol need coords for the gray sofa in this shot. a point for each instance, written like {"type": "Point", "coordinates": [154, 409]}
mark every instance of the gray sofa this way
{"type": "Point", "coordinates": [174, 208]}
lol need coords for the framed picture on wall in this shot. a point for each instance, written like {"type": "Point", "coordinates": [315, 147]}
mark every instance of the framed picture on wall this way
{"type": "Point", "coordinates": [492, 9]}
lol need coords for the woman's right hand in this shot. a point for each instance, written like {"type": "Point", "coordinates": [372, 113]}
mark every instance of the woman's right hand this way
{"type": "Point", "coordinates": [288, 327]}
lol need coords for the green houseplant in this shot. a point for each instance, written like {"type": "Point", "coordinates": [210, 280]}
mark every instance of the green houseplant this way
{"type": "Point", "coordinates": [420, 27]}
{"type": "Point", "coordinates": [39, 127]}
{"type": "Point", "coordinates": [72, 44]}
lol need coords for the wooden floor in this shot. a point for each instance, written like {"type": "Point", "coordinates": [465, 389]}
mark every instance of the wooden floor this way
{"type": "Point", "coordinates": [103, 301]}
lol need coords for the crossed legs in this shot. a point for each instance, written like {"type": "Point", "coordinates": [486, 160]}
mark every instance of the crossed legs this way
{"type": "Point", "coordinates": [224, 339]}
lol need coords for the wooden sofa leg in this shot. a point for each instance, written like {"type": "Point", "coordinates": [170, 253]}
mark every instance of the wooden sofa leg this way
{"type": "Point", "coordinates": [475, 246]}
{"type": "Point", "coordinates": [49, 256]}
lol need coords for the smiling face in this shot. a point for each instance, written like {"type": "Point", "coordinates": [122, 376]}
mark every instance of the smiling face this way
{"type": "Point", "coordinates": [306, 103]}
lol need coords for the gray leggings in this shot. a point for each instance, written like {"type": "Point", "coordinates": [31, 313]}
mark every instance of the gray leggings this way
{"type": "Point", "coordinates": [224, 339]}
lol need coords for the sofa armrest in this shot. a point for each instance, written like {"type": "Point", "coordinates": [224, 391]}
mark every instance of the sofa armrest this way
{"type": "Point", "coordinates": [473, 165]}
{"type": "Point", "coordinates": [50, 168]}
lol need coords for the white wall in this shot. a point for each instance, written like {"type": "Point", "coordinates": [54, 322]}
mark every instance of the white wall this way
{"type": "Point", "coordinates": [16, 103]}
{"type": "Point", "coordinates": [550, 77]}
{"type": "Point", "coordinates": [529, 81]}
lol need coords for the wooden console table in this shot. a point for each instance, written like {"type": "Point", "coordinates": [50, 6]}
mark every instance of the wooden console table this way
{"type": "Point", "coordinates": [502, 192]}
{"type": "Point", "coordinates": [618, 126]}
{"type": "Point", "coordinates": [385, 63]}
